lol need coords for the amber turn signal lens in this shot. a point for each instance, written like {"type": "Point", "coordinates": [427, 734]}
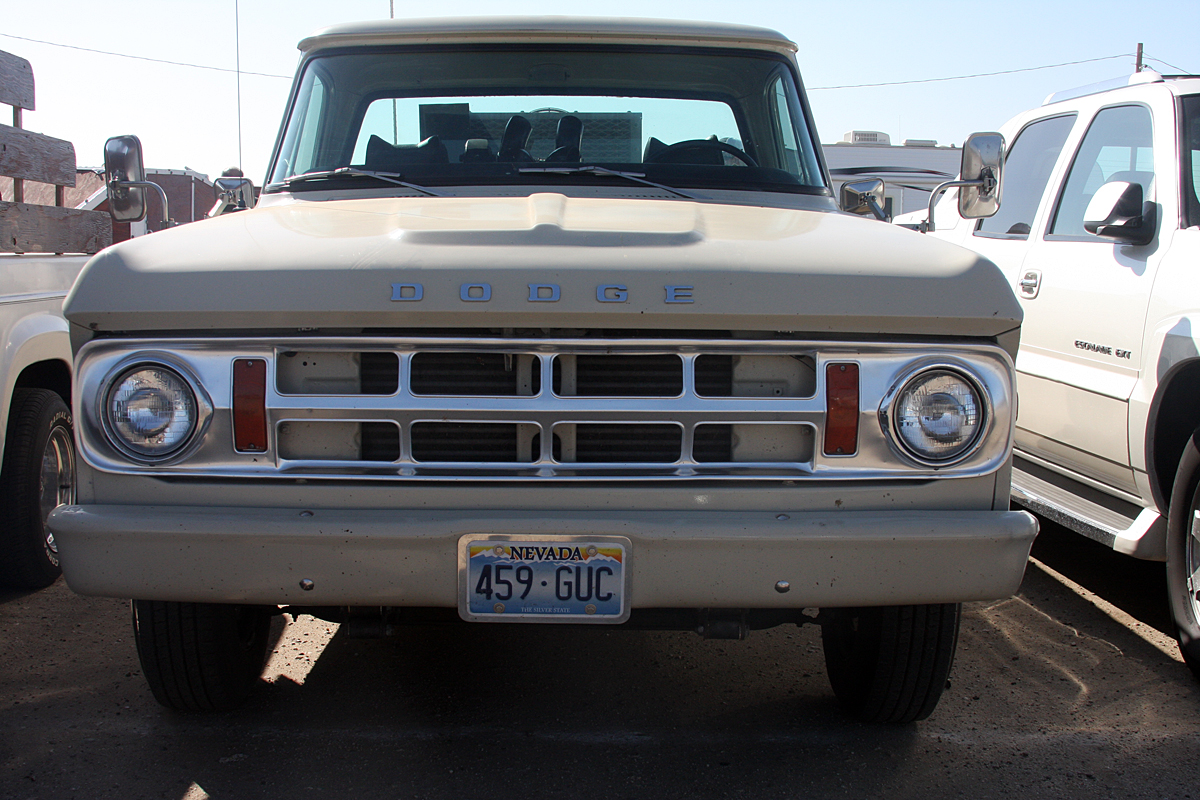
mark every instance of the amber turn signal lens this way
{"type": "Point", "coordinates": [250, 405]}
{"type": "Point", "coordinates": [841, 409]}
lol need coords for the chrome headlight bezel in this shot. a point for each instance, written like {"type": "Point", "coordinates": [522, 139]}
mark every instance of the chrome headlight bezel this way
{"type": "Point", "coordinates": [889, 416]}
{"type": "Point", "coordinates": [145, 361]}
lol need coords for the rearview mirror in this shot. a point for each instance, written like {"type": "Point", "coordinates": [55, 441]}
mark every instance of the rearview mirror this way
{"type": "Point", "coordinates": [979, 179]}
{"type": "Point", "coordinates": [864, 197]}
{"type": "Point", "coordinates": [122, 167]}
{"type": "Point", "coordinates": [982, 165]}
{"type": "Point", "coordinates": [233, 194]}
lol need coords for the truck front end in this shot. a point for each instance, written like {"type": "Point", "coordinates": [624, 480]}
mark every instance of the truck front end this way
{"type": "Point", "coordinates": [546, 322]}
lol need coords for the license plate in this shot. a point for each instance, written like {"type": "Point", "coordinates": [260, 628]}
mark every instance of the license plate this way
{"type": "Point", "coordinates": [543, 578]}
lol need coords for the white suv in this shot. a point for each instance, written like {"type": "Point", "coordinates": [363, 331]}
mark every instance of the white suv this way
{"type": "Point", "coordinates": [1099, 235]}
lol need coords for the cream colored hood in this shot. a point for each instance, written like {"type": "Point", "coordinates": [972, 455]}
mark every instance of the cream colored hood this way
{"type": "Point", "coordinates": [543, 261]}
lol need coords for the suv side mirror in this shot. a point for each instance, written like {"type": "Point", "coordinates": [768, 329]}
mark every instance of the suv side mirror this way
{"type": "Point", "coordinates": [233, 194]}
{"type": "Point", "coordinates": [979, 179]}
{"type": "Point", "coordinates": [982, 167]}
{"type": "Point", "coordinates": [864, 197]}
{"type": "Point", "coordinates": [1116, 211]}
{"type": "Point", "coordinates": [122, 173]}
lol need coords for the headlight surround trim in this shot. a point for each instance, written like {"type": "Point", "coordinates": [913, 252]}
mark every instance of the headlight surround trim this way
{"type": "Point", "coordinates": [889, 415]}
{"type": "Point", "coordinates": [201, 407]}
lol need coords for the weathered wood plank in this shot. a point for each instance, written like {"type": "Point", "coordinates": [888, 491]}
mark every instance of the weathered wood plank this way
{"type": "Point", "coordinates": [36, 157]}
{"type": "Point", "coordinates": [16, 81]}
{"type": "Point", "coordinates": [47, 229]}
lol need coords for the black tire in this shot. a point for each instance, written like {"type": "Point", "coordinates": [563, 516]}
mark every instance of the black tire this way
{"type": "Point", "coordinates": [200, 656]}
{"type": "Point", "coordinates": [890, 664]}
{"type": "Point", "coordinates": [1183, 554]}
{"type": "Point", "coordinates": [38, 475]}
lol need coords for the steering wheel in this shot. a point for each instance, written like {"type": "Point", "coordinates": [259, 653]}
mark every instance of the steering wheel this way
{"type": "Point", "coordinates": [665, 154]}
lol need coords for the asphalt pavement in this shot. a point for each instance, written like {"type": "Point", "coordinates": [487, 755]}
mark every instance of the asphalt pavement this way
{"type": "Point", "coordinates": [1071, 689]}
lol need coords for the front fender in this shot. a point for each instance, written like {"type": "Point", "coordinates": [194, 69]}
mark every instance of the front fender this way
{"type": "Point", "coordinates": [37, 337]}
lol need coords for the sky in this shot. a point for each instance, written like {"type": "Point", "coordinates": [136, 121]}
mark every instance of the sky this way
{"type": "Point", "coordinates": [188, 116]}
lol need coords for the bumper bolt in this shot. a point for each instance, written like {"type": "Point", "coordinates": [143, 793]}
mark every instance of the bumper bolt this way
{"type": "Point", "coordinates": [307, 585]}
{"type": "Point", "coordinates": [782, 587]}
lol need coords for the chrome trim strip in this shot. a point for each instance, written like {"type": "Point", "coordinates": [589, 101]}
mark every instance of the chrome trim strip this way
{"type": "Point", "coordinates": [881, 368]}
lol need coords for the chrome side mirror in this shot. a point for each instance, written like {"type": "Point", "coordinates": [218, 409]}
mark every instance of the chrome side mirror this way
{"type": "Point", "coordinates": [1116, 211]}
{"type": "Point", "coordinates": [122, 173]}
{"type": "Point", "coordinates": [979, 179]}
{"type": "Point", "coordinates": [864, 197]}
{"type": "Point", "coordinates": [126, 181]}
{"type": "Point", "coordinates": [233, 194]}
{"type": "Point", "coordinates": [982, 168]}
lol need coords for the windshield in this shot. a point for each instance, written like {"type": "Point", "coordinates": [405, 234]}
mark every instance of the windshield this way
{"type": "Point", "coordinates": [475, 115]}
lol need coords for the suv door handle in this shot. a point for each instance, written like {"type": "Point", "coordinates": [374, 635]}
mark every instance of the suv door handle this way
{"type": "Point", "coordinates": [1030, 283]}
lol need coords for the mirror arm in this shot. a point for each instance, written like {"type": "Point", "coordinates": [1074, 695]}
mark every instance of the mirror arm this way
{"type": "Point", "coordinates": [987, 185]}
{"type": "Point", "coordinates": [873, 204]}
{"type": "Point", "coordinates": [166, 220]}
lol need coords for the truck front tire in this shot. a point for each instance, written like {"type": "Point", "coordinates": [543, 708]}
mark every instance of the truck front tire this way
{"type": "Point", "coordinates": [200, 656]}
{"type": "Point", "coordinates": [890, 664]}
{"type": "Point", "coordinates": [38, 475]}
{"type": "Point", "coordinates": [1183, 553]}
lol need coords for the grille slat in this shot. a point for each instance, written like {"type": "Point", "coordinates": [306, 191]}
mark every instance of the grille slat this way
{"type": "Point", "coordinates": [619, 376]}
{"type": "Point", "coordinates": [449, 441]}
{"type": "Point", "coordinates": [638, 444]}
{"type": "Point", "coordinates": [474, 374]}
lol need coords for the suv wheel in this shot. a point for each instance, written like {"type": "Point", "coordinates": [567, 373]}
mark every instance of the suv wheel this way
{"type": "Point", "coordinates": [1183, 554]}
{"type": "Point", "coordinates": [890, 664]}
{"type": "Point", "coordinates": [201, 656]}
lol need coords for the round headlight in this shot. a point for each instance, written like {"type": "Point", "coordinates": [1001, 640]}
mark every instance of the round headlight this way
{"type": "Point", "coordinates": [939, 415]}
{"type": "Point", "coordinates": [151, 411]}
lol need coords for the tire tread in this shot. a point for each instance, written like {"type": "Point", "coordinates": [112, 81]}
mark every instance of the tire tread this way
{"type": "Point", "coordinates": [190, 653]}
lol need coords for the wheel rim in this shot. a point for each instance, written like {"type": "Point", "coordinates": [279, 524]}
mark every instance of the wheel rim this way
{"type": "Point", "coordinates": [1192, 560]}
{"type": "Point", "coordinates": [57, 481]}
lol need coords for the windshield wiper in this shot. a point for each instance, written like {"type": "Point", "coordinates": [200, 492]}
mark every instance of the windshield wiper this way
{"type": "Point", "coordinates": [353, 172]}
{"type": "Point", "coordinates": [636, 177]}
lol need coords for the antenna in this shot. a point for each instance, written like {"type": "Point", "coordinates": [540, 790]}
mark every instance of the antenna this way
{"type": "Point", "coordinates": [395, 122]}
{"type": "Point", "coordinates": [237, 47]}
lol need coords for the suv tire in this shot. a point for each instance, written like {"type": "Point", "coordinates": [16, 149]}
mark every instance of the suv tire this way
{"type": "Point", "coordinates": [1183, 553]}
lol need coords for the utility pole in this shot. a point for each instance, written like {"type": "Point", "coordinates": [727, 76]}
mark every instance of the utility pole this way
{"type": "Point", "coordinates": [1138, 68]}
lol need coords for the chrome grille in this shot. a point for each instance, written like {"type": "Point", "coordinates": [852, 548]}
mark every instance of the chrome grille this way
{"type": "Point", "coordinates": [551, 408]}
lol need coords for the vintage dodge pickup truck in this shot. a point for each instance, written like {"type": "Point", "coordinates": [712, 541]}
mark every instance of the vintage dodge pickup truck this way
{"type": "Point", "coordinates": [546, 321]}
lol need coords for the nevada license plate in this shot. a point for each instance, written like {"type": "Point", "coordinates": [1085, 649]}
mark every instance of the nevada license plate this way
{"type": "Point", "coordinates": [543, 578]}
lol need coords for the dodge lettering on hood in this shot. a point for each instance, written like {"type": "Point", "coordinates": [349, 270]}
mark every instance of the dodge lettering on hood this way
{"type": "Point", "coordinates": [544, 321]}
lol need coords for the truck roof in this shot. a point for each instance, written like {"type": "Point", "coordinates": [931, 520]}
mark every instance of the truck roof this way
{"type": "Point", "coordinates": [548, 29]}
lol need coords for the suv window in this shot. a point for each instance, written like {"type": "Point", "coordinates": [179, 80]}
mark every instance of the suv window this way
{"type": "Point", "coordinates": [1027, 168]}
{"type": "Point", "coordinates": [1190, 136]}
{"type": "Point", "coordinates": [1117, 147]}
